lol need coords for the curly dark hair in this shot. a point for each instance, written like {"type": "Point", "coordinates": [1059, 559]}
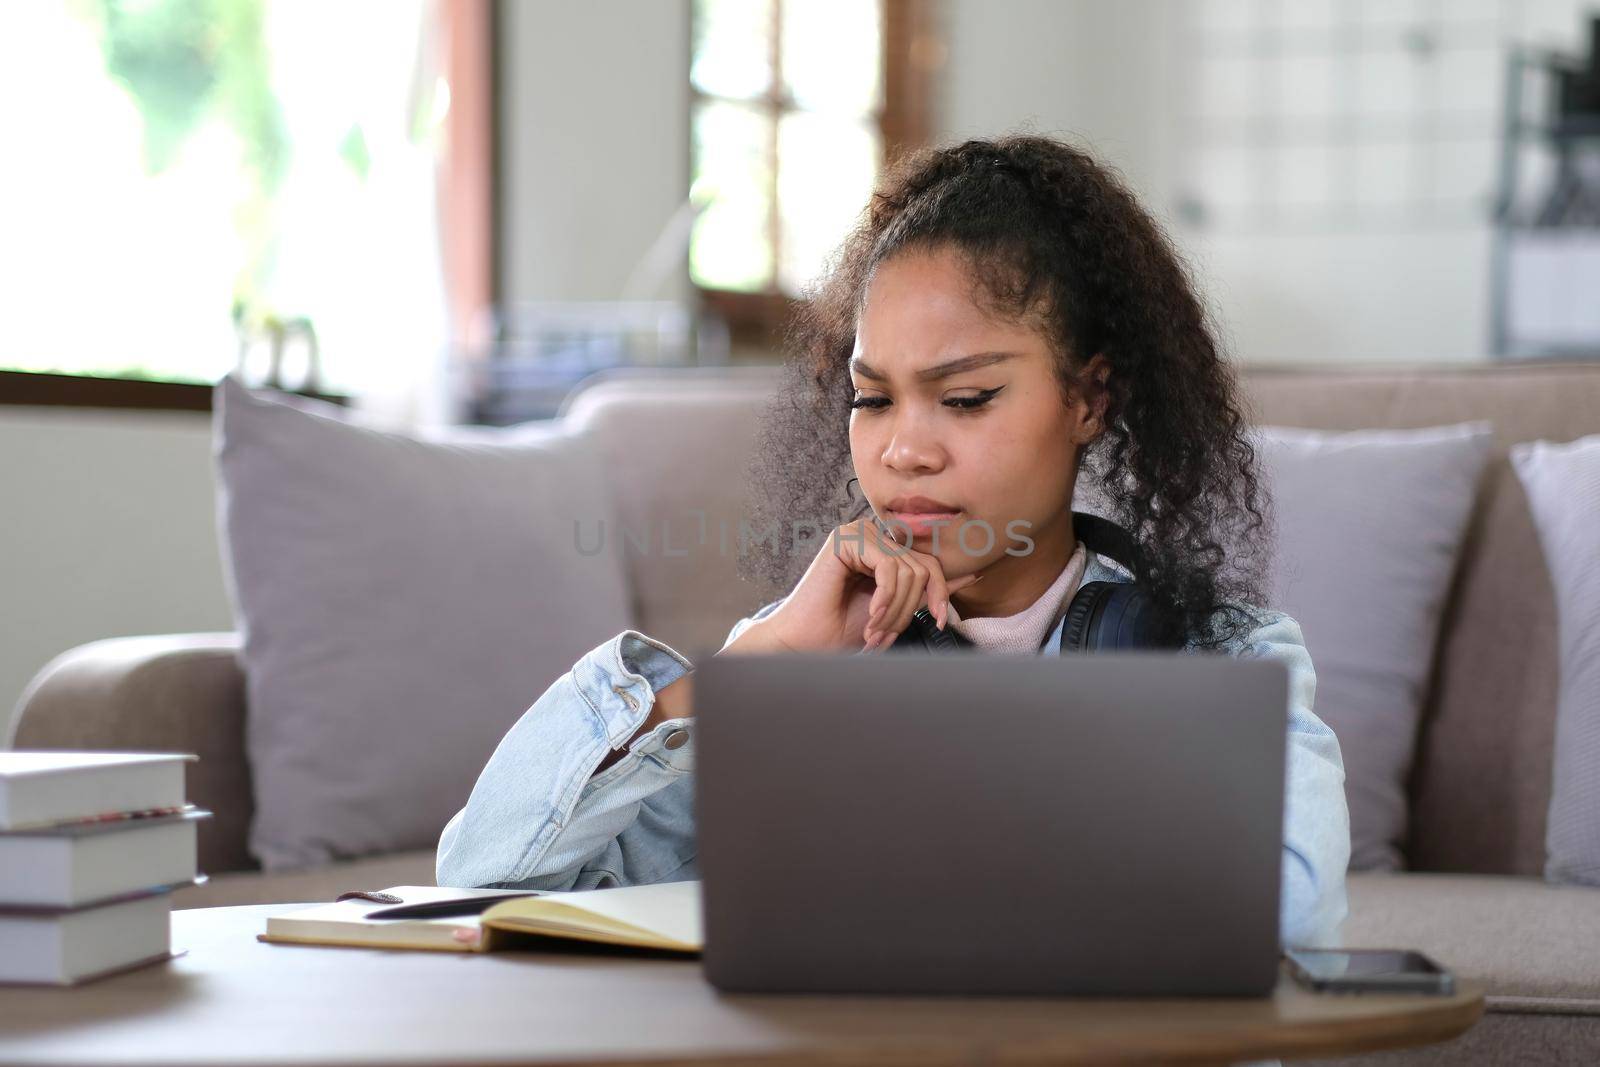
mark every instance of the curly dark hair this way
{"type": "Point", "coordinates": [1053, 238]}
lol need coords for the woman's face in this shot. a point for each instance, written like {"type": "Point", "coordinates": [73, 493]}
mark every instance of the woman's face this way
{"type": "Point", "coordinates": [963, 410]}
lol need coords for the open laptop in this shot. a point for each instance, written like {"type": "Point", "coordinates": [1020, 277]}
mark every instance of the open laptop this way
{"type": "Point", "coordinates": [1097, 825]}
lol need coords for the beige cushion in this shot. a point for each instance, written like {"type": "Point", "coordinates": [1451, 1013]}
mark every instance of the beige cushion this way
{"type": "Point", "coordinates": [1535, 945]}
{"type": "Point", "coordinates": [677, 446]}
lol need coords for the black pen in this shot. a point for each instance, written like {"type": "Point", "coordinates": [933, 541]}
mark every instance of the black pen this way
{"type": "Point", "coordinates": [435, 909]}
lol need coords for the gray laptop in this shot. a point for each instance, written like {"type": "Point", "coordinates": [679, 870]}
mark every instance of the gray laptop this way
{"type": "Point", "coordinates": [1096, 825]}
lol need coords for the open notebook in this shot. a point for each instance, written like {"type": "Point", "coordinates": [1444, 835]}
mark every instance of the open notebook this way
{"type": "Point", "coordinates": [665, 916]}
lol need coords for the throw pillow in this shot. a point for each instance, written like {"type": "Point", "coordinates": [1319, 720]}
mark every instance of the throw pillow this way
{"type": "Point", "coordinates": [402, 601]}
{"type": "Point", "coordinates": [1563, 486]}
{"type": "Point", "coordinates": [1370, 523]}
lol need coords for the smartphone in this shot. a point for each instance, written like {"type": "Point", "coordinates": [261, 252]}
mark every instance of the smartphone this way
{"type": "Point", "coordinates": [1368, 970]}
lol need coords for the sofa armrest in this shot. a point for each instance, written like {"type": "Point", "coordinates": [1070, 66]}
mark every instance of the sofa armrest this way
{"type": "Point", "coordinates": [168, 693]}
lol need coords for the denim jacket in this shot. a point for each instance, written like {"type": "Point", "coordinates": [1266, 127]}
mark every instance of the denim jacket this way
{"type": "Point", "coordinates": [539, 818]}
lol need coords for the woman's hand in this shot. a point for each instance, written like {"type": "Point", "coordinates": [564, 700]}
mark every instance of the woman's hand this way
{"type": "Point", "coordinates": [859, 592]}
{"type": "Point", "coordinates": [860, 595]}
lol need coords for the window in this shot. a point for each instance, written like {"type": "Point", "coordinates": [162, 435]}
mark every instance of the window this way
{"type": "Point", "coordinates": [796, 105]}
{"type": "Point", "coordinates": [188, 178]}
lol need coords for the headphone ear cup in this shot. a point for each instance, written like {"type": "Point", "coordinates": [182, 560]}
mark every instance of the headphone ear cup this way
{"type": "Point", "coordinates": [1085, 606]}
{"type": "Point", "coordinates": [1113, 615]}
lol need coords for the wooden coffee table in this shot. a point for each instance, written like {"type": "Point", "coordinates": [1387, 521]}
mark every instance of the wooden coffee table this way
{"type": "Point", "coordinates": [233, 999]}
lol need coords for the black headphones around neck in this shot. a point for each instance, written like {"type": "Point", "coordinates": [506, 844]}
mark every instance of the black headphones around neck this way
{"type": "Point", "coordinates": [1103, 616]}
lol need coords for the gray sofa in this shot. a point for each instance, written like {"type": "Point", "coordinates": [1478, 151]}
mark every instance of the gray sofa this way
{"type": "Point", "coordinates": [1480, 786]}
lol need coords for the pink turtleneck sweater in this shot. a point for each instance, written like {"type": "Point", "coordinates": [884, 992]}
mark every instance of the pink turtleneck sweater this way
{"type": "Point", "coordinates": [1027, 629]}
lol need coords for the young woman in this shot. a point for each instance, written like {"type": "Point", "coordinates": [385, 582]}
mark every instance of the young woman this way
{"type": "Point", "coordinates": [1004, 316]}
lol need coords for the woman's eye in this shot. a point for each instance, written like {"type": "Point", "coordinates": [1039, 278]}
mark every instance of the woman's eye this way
{"type": "Point", "coordinates": [967, 403]}
{"type": "Point", "coordinates": [962, 403]}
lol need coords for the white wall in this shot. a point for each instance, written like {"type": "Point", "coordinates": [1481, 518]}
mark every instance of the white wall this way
{"type": "Point", "coordinates": [1113, 75]}
{"type": "Point", "coordinates": [107, 530]}
{"type": "Point", "coordinates": [595, 142]}
{"type": "Point", "coordinates": [1098, 73]}
{"type": "Point", "coordinates": [1417, 295]}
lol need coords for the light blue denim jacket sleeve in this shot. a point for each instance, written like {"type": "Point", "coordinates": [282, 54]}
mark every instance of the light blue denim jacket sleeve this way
{"type": "Point", "coordinates": [538, 817]}
{"type": "Point", "coordinates": [1316, 819]}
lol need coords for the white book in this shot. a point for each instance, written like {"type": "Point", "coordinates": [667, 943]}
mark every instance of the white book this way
{"type": "Point", "coordinates": [41, 787]}
{"type": "Point", "coordinates": [69, 865]}
{"type": "Point", "coordinates": [70, 947]}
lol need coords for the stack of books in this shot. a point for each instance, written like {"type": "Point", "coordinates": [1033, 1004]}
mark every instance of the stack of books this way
{"type": "Point", "coordinates": [92, 844]}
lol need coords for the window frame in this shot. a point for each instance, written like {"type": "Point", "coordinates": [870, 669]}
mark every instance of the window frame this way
{"type": "Point", "coordinates": [26, 388]}
{"type": "Point", "coordinates": [904, 124]}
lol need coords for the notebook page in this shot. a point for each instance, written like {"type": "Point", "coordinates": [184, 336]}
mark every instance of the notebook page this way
{"type": "Point", "coordinates": [666, 909]}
